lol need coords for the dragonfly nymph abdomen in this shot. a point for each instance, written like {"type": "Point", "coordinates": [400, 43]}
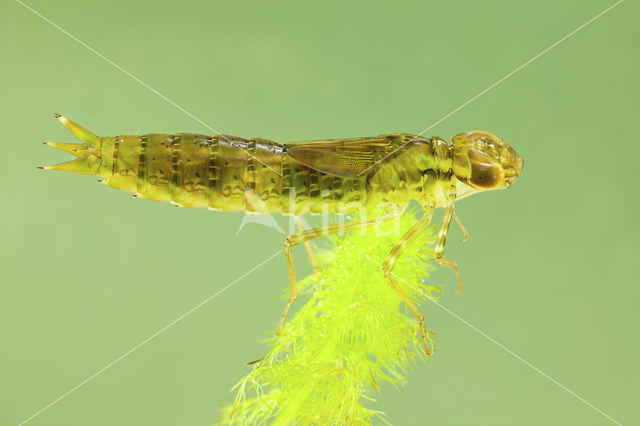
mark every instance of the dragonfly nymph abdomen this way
{"type": "Point", "coordinates": [228, 173]}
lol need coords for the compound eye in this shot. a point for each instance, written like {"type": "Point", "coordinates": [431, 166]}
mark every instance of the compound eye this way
{"type": "Point", "coordinates": [485, 172]}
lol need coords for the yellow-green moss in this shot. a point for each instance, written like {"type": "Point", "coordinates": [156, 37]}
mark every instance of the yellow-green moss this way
{"type": "Point", "coordinates": [351, 335]}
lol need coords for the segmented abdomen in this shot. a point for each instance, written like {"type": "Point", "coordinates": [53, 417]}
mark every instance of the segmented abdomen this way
{"type": "Point", "coordinates": [222, 173]}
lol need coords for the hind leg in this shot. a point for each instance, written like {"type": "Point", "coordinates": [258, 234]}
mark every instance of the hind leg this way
{"type": "Point", "coordinates": [307, 245]}
{"type": "Point", "coordinates": [307, 235]}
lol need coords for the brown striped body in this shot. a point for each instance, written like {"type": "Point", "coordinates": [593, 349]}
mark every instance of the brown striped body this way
{"type": "Point", "coordinates": [229, 173]}
{"type": "Point", "coordinates": [224, 173]}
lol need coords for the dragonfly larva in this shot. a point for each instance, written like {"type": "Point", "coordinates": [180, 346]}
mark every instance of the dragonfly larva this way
{"type": "Point", "coordinates": [378, 174]}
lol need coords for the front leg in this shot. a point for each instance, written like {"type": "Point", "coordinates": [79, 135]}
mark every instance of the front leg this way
{"type": "Point", "coordinates": [440, 242]}
{"type": "Point", "coordinates": [465, 234]}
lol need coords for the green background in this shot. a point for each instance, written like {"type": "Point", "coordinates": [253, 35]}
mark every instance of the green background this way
{"type": "Point", "coordinates": [88, 273]}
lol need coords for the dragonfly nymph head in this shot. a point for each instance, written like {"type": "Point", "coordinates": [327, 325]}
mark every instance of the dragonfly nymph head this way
{"type": "Point", "coordinates": [483, 161]}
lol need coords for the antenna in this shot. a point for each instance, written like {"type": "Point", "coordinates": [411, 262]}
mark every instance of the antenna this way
{"type": "Point", "coordinates": [515, 138]}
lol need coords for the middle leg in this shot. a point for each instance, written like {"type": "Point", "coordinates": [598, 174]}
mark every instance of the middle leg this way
{"type": "Point", "coordinates": [390, 261]}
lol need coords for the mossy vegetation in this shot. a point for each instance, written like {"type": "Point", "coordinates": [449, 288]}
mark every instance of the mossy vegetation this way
{"type": "Point", "coordinates": [352, 334]}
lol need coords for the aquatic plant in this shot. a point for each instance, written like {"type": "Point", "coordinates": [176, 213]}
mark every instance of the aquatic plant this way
{"type": "Point", "coordinates": [352, 334]}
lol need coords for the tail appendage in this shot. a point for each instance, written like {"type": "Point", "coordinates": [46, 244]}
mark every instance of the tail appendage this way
{"type": "Point", "coordinates": [88, 152]}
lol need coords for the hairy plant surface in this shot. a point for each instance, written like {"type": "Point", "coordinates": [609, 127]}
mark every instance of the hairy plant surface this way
{"type": "Point", "coordinates": [351, 335]}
